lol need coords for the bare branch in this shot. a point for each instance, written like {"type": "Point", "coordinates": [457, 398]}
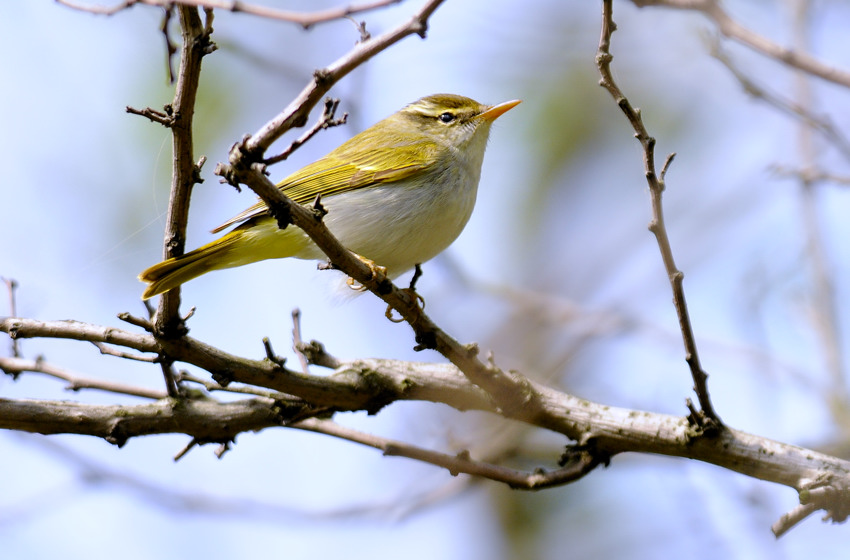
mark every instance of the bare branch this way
{"type": "Point", "coordinates": [16, 366]}
{"type": "Point", "coordinates": [170, 47]}
{"type": "Point", "coordinates": [11, 285]}
{"type": "Point", "coordinates": [327, 120]}
{"type": "Point", "coordinates": [271, 355]}
{"type": "Point", "coordinates": [204, 419]}
{"type": "Point", "coordinates": [459, 463]}
{"type": "Point", "coordinates": [212, 386]}
{"type": "Point", "coordinates": [821, 493]}
{"type": "Point", "coordinates": [298, 342]}
{"type": "Point", "coordinates": [109, 351]}
{"type": "Point", "coordinates": [793, 517]}
{"type": "Point", "coordinates": [603, 431]}
{"type": "Point", "coordinates": [730, 28]}
{"type": "Point", "coordinates": [196, 44]}
{"type": "Point", "coordinates": [656, 226]}
{"type": "Point", "coordinates": [164, 117]}
{"type": "Point", "coordinates": [138, 321]}
{"type": "Point", "coordinates": [305, 20]}
{"type": "Point", "coordinates": [17, 327]}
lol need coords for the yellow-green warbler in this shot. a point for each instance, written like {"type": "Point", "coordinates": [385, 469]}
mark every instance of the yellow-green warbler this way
{"type": "Point", "coordinates": [398, 194]}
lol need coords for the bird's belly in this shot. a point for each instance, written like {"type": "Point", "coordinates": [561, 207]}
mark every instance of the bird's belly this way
{"type": "Point", "coordinates": [399, 225]}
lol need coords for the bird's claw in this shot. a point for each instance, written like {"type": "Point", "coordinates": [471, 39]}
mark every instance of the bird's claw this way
{"type": "Point", "coordinates": [376, 270]}
{"type": "Point", "coordinates": [415, 298]}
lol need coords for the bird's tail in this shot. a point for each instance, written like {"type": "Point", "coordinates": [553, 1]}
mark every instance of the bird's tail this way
{"type": "Point", "coordinates": [173, 272]}
{"type": "Point", "coordinates": [253, 241]}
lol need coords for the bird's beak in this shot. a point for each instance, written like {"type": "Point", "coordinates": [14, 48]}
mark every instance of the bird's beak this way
{"type": "Point", "coordinates": [496, 111]}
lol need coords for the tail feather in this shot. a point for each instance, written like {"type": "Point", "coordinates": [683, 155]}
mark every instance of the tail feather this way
{"type": "Point", "coordinates": [173, 272]}
{"type": "Point", "coordinates": [255, 240]}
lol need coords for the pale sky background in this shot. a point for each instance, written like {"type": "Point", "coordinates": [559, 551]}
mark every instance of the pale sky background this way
{"type": "Point", "coordinates": [562, 216]}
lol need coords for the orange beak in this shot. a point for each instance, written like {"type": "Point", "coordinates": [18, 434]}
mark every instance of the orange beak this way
{"type": "Point", "coordinates": [496, 111]}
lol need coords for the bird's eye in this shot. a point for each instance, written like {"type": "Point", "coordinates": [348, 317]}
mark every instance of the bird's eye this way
{"type": "Point", "coordinates": [446, 117]}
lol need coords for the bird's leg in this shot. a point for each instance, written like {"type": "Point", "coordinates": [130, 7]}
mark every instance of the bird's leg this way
{"type": "Point", "coordinates": [415, 298]}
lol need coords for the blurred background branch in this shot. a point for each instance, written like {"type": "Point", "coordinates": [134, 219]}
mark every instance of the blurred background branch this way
{"type": "Point", "coordinates": [306, 20]}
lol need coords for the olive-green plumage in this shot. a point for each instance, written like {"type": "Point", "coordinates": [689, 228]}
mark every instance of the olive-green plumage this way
{"type": "Point", "coordinates": [398, 194]}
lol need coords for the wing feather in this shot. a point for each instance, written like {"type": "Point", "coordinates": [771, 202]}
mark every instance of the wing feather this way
{"type": "Point", "coordinates": [348, 168]}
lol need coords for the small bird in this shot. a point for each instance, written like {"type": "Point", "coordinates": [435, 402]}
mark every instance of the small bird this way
{"type": "Point", "coordinates": [397, 194]}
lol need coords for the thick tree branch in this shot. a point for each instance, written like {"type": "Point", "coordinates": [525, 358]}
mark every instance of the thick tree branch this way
{"type": "Point", "coordinates": [600, 431]}
{"type": "Point", "coordinates": [204, 419]}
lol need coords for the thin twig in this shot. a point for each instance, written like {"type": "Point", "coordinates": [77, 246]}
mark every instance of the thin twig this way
{"type": "Point", "coordinates": [792, 518]}
{"type": "Point", "coordinates": [11, 286]}
{"type": "Point", "coordinates": [312, 352]}
{"type": "Point", "coordinates": [657, 227]}
{"type": "Point", "coordinates": [108, 350]}
{"type": "Point", "coordinates": [459, 463]}
{"type": "Point", "coordinates": [306, 20]}
{"type": "Point", "coordinates": [16, 366]}
{"type": "Point", "coordinates": [361, 28]}
{"type": "Point", "coordinates": [170, 47]}
{"type": "Point", "coordinates": [326, 121]}
{"type": "Point", "coordinates": [137, 321]}
{"type": "Point", "coordinates": [169, 375]}
{"type": "Point", "coordinates": [298, 342]}
{"type": "Point", "coordinates": [271, 355]}
{"type": "Point", "coordinates": [188, 447]}
{"type": "Point", "coordinates": [212, 386]}
{"type": "Point", "coordinates": [164, 117]}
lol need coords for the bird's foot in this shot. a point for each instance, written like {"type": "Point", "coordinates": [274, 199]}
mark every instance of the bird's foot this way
{"type": "Point", "coordinates": [415, 298]}
{"type": "Point", "coordinates": [376, 269]}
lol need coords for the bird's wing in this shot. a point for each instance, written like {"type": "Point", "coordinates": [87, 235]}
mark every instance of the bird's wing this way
{"type": "Point", "coordinates": [345, 170]}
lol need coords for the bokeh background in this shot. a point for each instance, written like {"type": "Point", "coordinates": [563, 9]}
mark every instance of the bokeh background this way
{"type": "Point", "coordinates": [556, 273]}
